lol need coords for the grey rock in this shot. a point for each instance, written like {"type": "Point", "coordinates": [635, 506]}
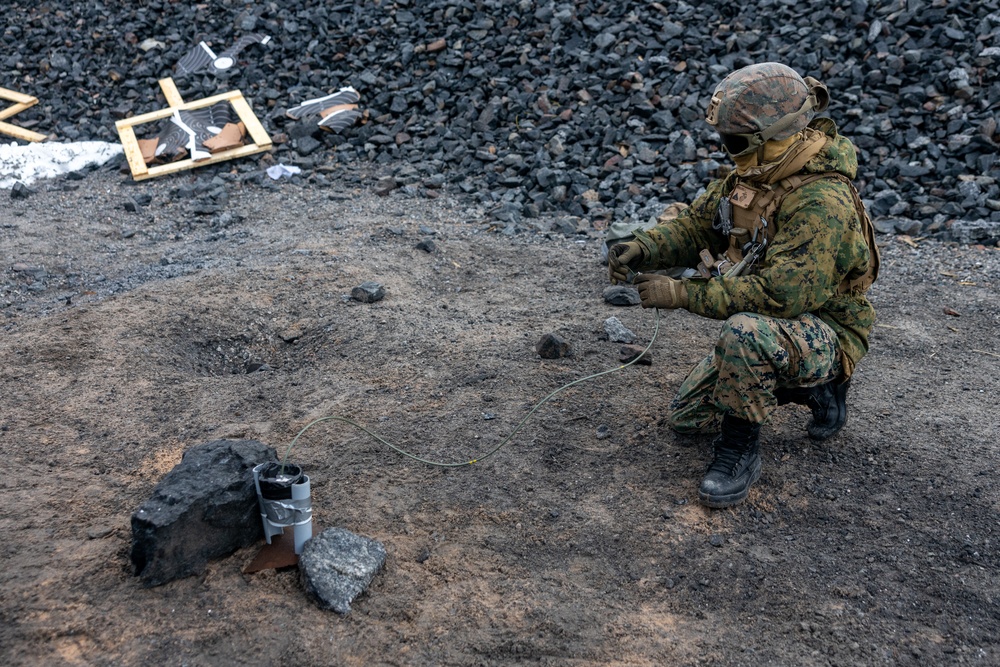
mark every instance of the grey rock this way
{"type": "Point", "coordinates": [566, 226]}
{"type": "Point", "coordinates": [551, 346]}
{"type": "Point", "coordinates": [205, 508]}
{"type": "Point", "coordinates": [628, 353]}
{"type": "Point", "coordinates": [385, 186]}
{"type": "Point", "coordinates": [617, 333]}
{"type": "Point", "coordinates": [974, 231]}
{"type": "Point", "coordinates": [907, 226]}
{"type": "Point", "coordinates": [884, 225]}
{"type": "Point", "coordinates": [20, 191]}
{"type": "Point", "coordinates": [884, 201]}
{"type": "Point", "coordinates": [307, 145]}
{"type": "Point", "coordinates": [619, 295]}
{"type": "Point", "coordinates": [368, 292]}
{"type": "Point", "coordinates": [337, 566]}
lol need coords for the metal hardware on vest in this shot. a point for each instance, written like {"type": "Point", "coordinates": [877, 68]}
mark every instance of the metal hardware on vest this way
{"type": "Point", "coordinates": [756, 252]}
{"type": "Point", "coordinates": [724, 217]}
{"type": "Point", "coordinates": [751, 207]}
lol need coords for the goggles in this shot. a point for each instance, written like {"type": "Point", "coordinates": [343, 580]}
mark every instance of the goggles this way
{"type": "Point", "coordinates": [738, 145]}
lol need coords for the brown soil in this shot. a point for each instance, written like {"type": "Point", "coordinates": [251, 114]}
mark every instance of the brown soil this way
{"type": "Point", "coordinates": [876, 548]}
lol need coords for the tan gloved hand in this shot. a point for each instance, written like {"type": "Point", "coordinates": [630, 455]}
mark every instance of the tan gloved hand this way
{"type": "Point", "coordinates": [622, 257]}
{"type": "Point", "coordinates": [658, 291]}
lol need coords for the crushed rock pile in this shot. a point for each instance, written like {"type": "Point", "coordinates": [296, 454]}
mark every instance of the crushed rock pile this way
{"type": "Point", "coordinates": [583, 111]}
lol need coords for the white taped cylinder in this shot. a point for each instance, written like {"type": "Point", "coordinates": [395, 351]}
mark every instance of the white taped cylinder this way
{"type": "Point", "coordinates": [303, 530]}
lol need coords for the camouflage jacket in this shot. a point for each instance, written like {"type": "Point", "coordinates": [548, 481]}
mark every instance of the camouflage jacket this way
{"type": "Point", "coordinates": [818, 241]}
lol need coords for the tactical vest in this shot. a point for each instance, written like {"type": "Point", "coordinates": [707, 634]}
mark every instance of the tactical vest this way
{"type": "Point", "coordinates": [747, 217]}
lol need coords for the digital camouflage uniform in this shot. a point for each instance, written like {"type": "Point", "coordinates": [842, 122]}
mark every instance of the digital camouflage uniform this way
{"type": "Point", "coordinates": [786, 325]}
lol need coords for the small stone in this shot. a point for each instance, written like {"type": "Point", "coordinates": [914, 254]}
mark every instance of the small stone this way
{"type": "Point", "coordinates": [974, 231]}
{"type": "Point", "coordinates": [385, 186]}
{"type": "Point", "coordinates": [603, 432]}
{"type": "Point", "coordinates": [551, 346]}
{"type": "Point", "coordinates": [617, 333]}
{"type": "Point", "coordinates": [884, 225]}
{"type": "Point", "coordinates": [628, 353]}
{"type": "Point", "coordinates": [20, 191]}
{"type": "Point", "coordinates": [307, 145]}
{"type": "Point", "coordinates": [908, 226]}
{"type": "Point", "coordinates": [368, 292]}
{"type": "Point", "coordinates": [427, 246]}
{"type": "Point", "coordinates": [619, 295]}
{"type": "Point", "coordinates": [716, 540]}
{"type": "Point", "coordinates": [98, 532]}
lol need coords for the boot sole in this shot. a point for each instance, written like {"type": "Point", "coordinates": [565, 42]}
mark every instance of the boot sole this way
{"type": "Point", "coordinates": [821, 434]}
{"type": "Point", "coordinates": [720, 502]}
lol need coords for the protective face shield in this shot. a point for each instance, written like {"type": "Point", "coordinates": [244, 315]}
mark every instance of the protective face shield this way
{"type": "Point", "coordinates": [761, 102]}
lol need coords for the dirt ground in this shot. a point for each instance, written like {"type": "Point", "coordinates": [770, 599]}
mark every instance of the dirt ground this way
{"type": "Point", "coordinates": [127, 338]}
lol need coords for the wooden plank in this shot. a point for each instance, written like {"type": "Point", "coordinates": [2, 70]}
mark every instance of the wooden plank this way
{"type": "Point", "coordinates": [133, 153]}
{"type": "Point", "coordinates": [13, 110]}
{"type": "Point", "coordinates": [20, 98]}
{"type": "Point", "coordinates": [181, 165]}
{"type": "Point", "coordinates": [21, 102]}
{"type": "Point", "coordinates": [169, 111]}
{"type": "Point", "coordinates": [170, 91]}
{"type": "Point", "coordinates": [254, 128]}
{"type": "Point", "coordinates": [20, 132]}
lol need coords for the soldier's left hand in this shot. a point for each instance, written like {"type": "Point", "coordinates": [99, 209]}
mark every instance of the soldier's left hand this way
{"type": "Point", "coordinates": [658, 291]}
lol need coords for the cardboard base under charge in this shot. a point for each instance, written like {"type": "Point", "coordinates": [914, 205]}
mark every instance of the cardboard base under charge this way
{"type": "Point", "coordinates": [280, 553]}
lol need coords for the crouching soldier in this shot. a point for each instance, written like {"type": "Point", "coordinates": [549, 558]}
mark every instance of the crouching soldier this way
{"type": "Point", "coordinates": [785, 253]}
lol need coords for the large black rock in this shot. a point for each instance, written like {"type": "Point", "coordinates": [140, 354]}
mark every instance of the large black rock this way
{"type": "Point", "coordinates": [205, 508]}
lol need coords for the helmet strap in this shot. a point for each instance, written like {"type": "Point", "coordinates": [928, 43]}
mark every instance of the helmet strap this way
{"type": "Point", "coordinates": [817, 99]}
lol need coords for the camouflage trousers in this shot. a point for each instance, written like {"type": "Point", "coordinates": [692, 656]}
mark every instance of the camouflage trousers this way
{"type": "Point", "coordinates": [754, 356]}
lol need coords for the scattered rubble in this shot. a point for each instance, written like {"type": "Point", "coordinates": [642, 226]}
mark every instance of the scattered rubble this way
{"type": "Point", "coordinates": [588, 109]}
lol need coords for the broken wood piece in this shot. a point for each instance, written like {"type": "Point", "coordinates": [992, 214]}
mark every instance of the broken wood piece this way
{"type": "Point", "coordinates": [148, 149]}
{"type": "Point", "coordinates": [21, 102]}
{"type": "Point", "coordinates": [231, 136]}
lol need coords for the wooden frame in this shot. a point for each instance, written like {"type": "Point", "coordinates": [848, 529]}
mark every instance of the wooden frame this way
{"type": "Point", "coordinates": [21, 102]}
{"type": "Point", "coordinates": [141, 171]}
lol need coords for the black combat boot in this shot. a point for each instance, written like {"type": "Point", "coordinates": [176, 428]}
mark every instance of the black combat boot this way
{"type": "Point", "coordinates": [736, 465]}
{"type": "Point", "coordinates": [828, 403]}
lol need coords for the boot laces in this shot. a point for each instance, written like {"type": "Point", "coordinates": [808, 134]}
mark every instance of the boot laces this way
{"type": "Point", "coordinates": [727, 458]}
{"type": "Point", "coordinates": [818, 403]}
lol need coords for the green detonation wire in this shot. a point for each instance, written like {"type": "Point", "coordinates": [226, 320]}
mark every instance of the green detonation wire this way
{"type": "Point", "coordinates": [442, 464]}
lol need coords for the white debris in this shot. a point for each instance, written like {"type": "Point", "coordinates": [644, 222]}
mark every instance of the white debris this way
{"type": "Point", "coordinates": [279, 170]}
{"type": "Point", "coordinates": [47, 160]}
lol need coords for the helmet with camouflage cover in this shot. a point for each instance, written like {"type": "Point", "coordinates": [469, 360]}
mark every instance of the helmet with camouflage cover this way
{"type": "Point", "coordinates": [762, 102]}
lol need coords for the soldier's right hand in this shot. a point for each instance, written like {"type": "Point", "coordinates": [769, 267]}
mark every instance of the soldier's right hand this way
{"type": "Point", "coordinates": [624, 256]}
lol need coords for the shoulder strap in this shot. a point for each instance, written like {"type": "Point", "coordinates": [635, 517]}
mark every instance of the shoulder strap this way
{"type": "Point", "coordinates": [781, 189]}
